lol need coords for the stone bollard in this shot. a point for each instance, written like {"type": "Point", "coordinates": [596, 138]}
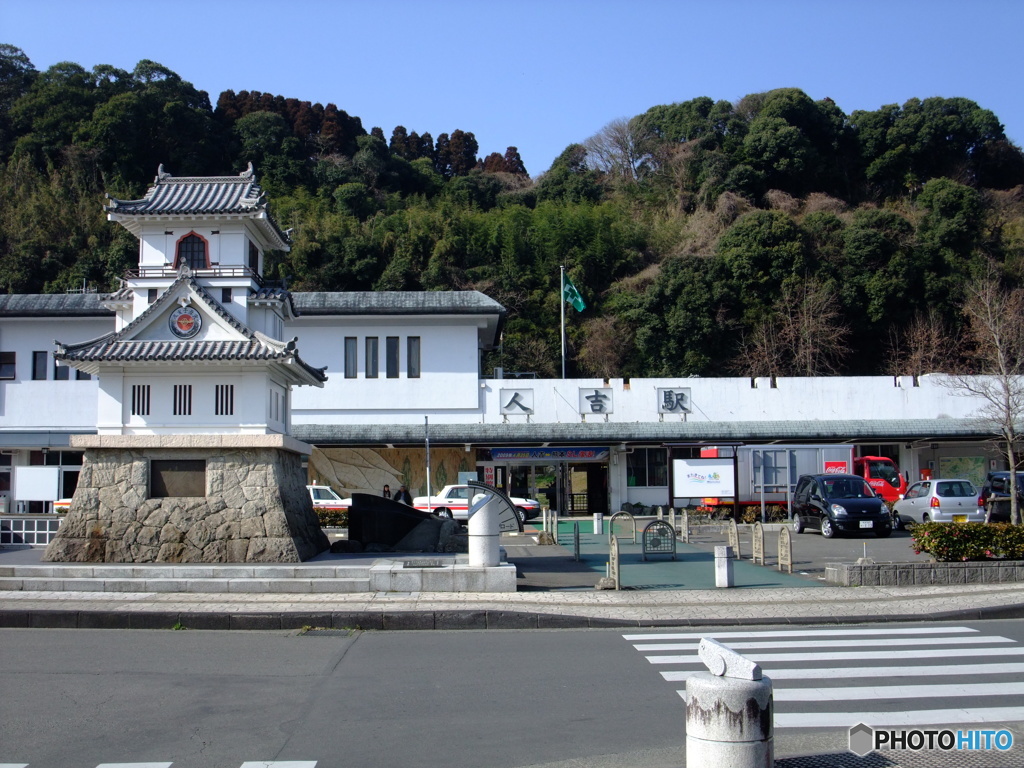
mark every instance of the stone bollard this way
{"type": "Point", "coordinates": [729, 712]}
{"type": "Point", "coordinates": [598, 524]}
{"type": "Point", "coordinates": [723, 567]}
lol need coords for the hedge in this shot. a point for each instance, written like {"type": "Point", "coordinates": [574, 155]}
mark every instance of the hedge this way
{"type": "Point", "coordinates": [332, 518]}
{"type": "Point", "coordinates": [969, 541]}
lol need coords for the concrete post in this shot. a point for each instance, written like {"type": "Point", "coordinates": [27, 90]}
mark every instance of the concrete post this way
{"type": "Point", "coordinates": [484, 534]}
{"type": "Point", "coordinates": [729, 712]}
{"type": "Point", "coordinates": [598, 524]}
{"type": "Point", "coordinates": [723, 567]}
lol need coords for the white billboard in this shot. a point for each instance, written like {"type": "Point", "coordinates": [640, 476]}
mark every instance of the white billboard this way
{"type": "Point", "coordinates": [694, 478]}
{"type": "Point", "coordinates": [37, 483]}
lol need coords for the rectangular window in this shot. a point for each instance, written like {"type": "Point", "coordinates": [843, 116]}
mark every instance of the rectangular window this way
{"type": "Point", "coordinates": [61, 372]}
{"type": "Point", "coordinates": [177, 477]}
{"type": "Point", "coordinates": [225, 400]}
{"type": "Point", "coordinates": [351, 363]}
{"type": "Point", "coordinates": [7, 366]}
{"type": "Point", "coordinates": [225, 295]}
{"type": "Point", "coordinates": [182, 399]}
{"type": "Point", "coordinates": [391, 352]}
{"type": "Point", "coordinates": [39, 366]}
{"type": "Point", "coordinates": [413, 358]}
{"type": "Point", "coordinates": [83, 376]}
{"type": "Point", "coordinates": [372, 353]}
{"type": "Point", "coordinates": [647, 467]}
{"type": "Point", "coordinates": [140, 399]}
{"type": "Point", "coordinates": [254, 258]}
{"type": "Point", "coordinates": [151, 295]}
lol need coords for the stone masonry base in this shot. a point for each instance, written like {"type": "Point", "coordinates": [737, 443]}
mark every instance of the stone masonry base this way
{"type": "Point", "coordinates": [256, 507]}
{"type": "Point", "coordinates": [910, 574]}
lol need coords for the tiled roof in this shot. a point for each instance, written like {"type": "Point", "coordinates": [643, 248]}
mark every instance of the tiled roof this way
{"type": "Point", "coordinates": [196, 195]}
{"type": "Point", "coordinates": [601, 432]}
{"type": "Point", "coordinates": [53, 305]}
{"type": "Point", "coordinates": [201, 196]}
{"type": "Point", "coordinates": [120, 347]}
{"type": "Point", "coordinates": [396, 303]}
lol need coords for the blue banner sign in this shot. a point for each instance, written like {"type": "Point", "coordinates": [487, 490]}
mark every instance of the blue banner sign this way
{"type": "Point", "coordinates": [552, 454]}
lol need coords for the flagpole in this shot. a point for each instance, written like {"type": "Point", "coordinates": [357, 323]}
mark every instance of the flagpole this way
{"type": "Point", "coordinates": [561, 301]}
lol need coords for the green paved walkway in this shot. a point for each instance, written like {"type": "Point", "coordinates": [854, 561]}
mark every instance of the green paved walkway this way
{"type": "Point", "coordinates": [693, 568]}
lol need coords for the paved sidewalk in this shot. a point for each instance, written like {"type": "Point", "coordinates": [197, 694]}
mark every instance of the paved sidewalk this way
{"type": "Point", "coordinates": [554, 591]}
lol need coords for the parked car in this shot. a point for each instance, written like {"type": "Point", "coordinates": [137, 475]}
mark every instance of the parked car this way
{"type": "Point", "coordinates": [324, 497]}
{"type": "Point", "coordinates": [939, 500]}
{"type": "Point", "coordinates": [838, 503]}
{"type": "Point", "coordinates": [453, 502]}
{"type": "Point", "coordinates": [996, 494]}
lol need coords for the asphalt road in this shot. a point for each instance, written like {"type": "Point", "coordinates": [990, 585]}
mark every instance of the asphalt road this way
{"type": "Point", "coordinates": [496, 699]}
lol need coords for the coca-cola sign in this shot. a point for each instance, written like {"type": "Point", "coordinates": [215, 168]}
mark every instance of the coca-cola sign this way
{"type": "Point", "coordinates": [836, 468]}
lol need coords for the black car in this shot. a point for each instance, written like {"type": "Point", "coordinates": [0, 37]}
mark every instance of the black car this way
{"type": "Point", "coordinates": [995, 495]}
{"type": "Point", "coordinates": [838, 503]}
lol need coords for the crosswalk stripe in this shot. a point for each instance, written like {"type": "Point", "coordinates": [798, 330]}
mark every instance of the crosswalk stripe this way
{"type": "Point", "coordinates": [280, 764]}
{"type": "Point", "coordinates": [912, 653]}
{"type": "Point", "coordinates": [962, 718]}
{"type": "Point", "coordinates": [898, 691]}
{"type": "Point", "coordinates": [134, 765]}
{"type": "Point", "coordinates": [813, 655]}
{"type": "Point", "coordinates": [13, 765]}
{"type": "Point", "coordinates": [828, 673]}
{"type": "Point", "coordinates": [802, 633]}
{"type": "Point", "coordinates": [812, 643]}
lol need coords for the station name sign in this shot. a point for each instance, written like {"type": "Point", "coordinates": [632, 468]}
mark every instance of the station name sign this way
{"type": "Point", "coordinates": [555, 454]}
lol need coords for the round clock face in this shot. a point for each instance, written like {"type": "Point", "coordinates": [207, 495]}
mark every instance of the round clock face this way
{"type": "Point", "coordinates": [185, 322]}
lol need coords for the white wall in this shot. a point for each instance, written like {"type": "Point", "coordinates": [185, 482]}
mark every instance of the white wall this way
{"type": "Point", "coordinates": [448, 380]}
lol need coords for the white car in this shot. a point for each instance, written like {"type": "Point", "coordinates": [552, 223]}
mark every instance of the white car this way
{"type": "Point", "coordinates": [324, 497]}
{"type": "Point", "coordinates": [453, 502]}
{"type": "Point", "coordinates": [940, 501]}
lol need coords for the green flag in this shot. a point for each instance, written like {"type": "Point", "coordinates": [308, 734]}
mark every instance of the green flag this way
{"type": "Point", "coordinates": [571, 295]}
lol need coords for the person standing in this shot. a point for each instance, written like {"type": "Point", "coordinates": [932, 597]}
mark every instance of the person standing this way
{"type": "Point", "coordinates": [404, 496]}
{"type": "Point", "coordinates": [386, 493]}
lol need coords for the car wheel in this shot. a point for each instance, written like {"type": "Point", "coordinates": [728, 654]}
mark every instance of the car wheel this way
{"type": "Point", "coordinates": [798, 524]}
{"type": "Point", "coordinates": [827, 529]}
{"type": "Point", "coordinates": [897, 522]}
{"type": "Point", "coordinates": [925, 518]}
{"type": "Point", "coordinates": [444, 512]}
{"type": "Point", "coordinates": [521, 514]}
{"type": "Point", "coordinates": [883, 533]}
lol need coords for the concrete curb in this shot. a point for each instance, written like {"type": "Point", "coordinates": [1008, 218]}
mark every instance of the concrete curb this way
{"type": "Point", "coordinates": [385, 620]}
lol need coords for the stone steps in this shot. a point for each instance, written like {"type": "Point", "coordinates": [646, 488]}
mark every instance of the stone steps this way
{"type": "Point", "coordinates": [188, 579]}
{"type": "Point", "coordinates": [381, 576]}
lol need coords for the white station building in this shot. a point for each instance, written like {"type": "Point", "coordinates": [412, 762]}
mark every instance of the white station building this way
{"type": "Point", "coordinates": [395, 374]}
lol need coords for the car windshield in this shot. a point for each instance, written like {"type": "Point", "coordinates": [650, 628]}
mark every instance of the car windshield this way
{"type": "Point", "coordinates": [883, 470]}
{"type": "Point", "coordinates": [846, 488]}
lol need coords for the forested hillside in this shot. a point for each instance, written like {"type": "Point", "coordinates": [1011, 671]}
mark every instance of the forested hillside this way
{"type": "Point", "coordinates": [772, 236]}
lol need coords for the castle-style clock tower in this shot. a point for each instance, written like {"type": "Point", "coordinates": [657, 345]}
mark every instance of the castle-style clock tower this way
{"type": "Point", "coordinates": [192, 460]}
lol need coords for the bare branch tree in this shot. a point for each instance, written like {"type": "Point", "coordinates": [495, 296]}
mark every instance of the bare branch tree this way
{"type": "Point", "coordinates": [804, 336]}
{"type": "Point", "coordinates": [927, 345]}
{"type": "Point", "coordinates": [618, 149]}
{"type": "Point", "coordinates": [995, 319]}
{"type": "Point", "coordinates": [606, 348]}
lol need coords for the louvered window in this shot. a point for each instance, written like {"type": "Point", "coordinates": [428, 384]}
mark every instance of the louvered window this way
{"type": "Point", "coordinates": [140, 399]}
{"type": "Point", "coordinates": [225, 405]}
{"type": "Point", "coordinates": [182, 399]}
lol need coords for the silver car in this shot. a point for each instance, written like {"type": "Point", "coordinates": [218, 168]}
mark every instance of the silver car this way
{"type": "Point", "coordinates": [939, 501]}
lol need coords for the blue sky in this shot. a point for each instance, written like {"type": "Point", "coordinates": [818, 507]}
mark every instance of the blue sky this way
{"type": "Point", "coordinates": [543, 75]}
